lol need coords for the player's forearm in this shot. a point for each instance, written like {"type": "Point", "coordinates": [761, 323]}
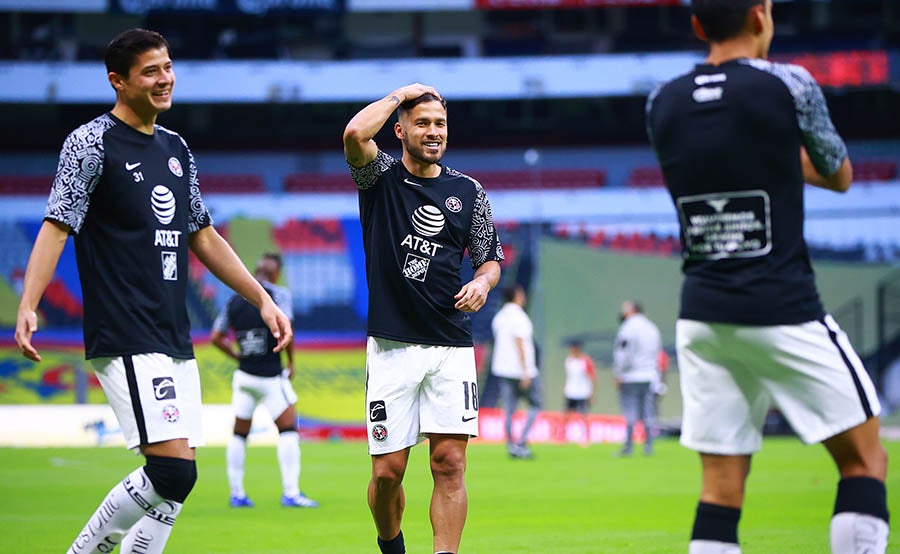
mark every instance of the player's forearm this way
{"type": "Point", "coordinates": [489, 272]}
{"type": "Point", "coordinates": [218, 256]}
{"type": "Point", "coordinates": [840, 181]}
{"type": "Point", "coordinates": [359, 146]}
{"type": "Point", "coordinates": [48, 247]}
{"type": "Point", "coordinates": [224, 345]}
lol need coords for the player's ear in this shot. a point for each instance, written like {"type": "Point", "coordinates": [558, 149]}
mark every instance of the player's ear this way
{"type": "Point", "coordinates": [398, 130]}
{"type": "Point", "coordinates": [757, 18]}
{"type": "Point", "coordinates": [115, 80]}
{"type": "Point", "coordinates": [698, 29]}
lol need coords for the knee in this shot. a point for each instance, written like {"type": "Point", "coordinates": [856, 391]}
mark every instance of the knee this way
{"type": "Point", "coordinates": [173, 478]}
{"type": "Point", "coordinates": [387, 476]}
{"type": "Point", "coordinates": [449, 464]}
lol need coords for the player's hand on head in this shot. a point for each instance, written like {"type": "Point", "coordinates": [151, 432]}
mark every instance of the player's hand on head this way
{"type": "Point", "coordinates": [26, 325]}
{"type": "Point", "coordinates": [472, 296]}
{"type": "Point", "coordinates": [415, 90]}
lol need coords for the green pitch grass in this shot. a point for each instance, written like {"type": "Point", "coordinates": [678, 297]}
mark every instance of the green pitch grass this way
{"type": "Point", "coordinates": [568, 500]}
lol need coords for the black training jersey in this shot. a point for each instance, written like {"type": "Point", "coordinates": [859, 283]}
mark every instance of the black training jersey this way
{"type": "Point", "coordinates": [415, 231]}
{"type": "Point", "coordinates": [254, 338]}
{"type": "Point", "coordinates": [131, 200]}
{"type": "Point", "coordinates": [728, 140]}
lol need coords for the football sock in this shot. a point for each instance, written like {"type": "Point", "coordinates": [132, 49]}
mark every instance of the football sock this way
{"type": "Point", "coordinates": [236, 454]}
{"type": "Point", "coordinates": [124, 505]}
{"type": "Point", "coordinates": [715, 530]}
{"type": "Point", "coordinates": [289, 461]}
{"type": "Point", "coordinates": [150, 534]}
{"type": "Point", "coordinates": [393, 546]}
{"type": "Point", "coordinates": [860, 521]}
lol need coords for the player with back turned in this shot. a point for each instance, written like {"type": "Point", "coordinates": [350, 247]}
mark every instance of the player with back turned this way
{"type": "Point", "coordinates": [127, 189]}
{"type": "Point", "coordinates": [418, 217]}
{"type": "Point", "coordinates": [736, 139]}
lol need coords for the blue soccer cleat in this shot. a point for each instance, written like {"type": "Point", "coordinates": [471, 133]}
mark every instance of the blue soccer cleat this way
{"type": "Point", "coordinates": [298, 501]}
{"type": "Point", "coordinates": [241, 502]}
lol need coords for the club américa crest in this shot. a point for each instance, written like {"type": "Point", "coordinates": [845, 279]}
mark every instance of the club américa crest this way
{"type": "Point", "coordinates": [379, 432]}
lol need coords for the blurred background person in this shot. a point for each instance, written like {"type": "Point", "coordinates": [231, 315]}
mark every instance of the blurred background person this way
{"type": "Point", "coordinates": [581, 379]}
{"type": "Point", "coordinates": [635, 368]}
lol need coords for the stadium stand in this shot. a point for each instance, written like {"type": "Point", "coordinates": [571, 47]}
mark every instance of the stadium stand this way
{"type": "Point", "coordinates": [874, 170]}
{"type": "Point", "coordinates": [26, 184]}
{"type": "Point", "coordinates": [319, 182]}
{"type": "Point", "coordinates": [232, 183]}
{"type": "Point", "coordinates": [542, 179]}
{"type": "Point", "coordinates": [649, 176]}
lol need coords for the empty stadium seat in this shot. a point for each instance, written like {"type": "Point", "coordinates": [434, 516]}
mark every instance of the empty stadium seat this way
{"type": "Point", "coordinates": [650, 176]}
{"type": "Point", "coordinates": [233, 183]}
{"type": "Point", "coordinates": [319, 182]}
{"type": "Point", "coordinates": [874, 170]}
{"type": "Point", "coordinates": [543, 179]}
{"type": "Point", "coordinates": [26, 184]}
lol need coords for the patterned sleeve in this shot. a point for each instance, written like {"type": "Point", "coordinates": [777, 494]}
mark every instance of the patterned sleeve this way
{"type": "Point", "coordinates": [200, 216]}
{"type": "Point", "coordinates": [366, 176]}
{"type": "Point", "coordinates": [648, 109]}
{"type": "Point", "coordinates": [484, 244]}
{"type": "Point", "coordinates": [824, 145]}
{"type": "Point", "coordinates": [79, 171]}
{"type": "Point", "coordinates": [282, 297]}
{"type": "Point", "coordinates": [222, 323]}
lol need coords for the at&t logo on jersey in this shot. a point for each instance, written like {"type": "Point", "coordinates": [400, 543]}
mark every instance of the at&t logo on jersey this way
{"type": "Point", "coordinates": [428, 221]}
{"type": "Point", "coordinates": [163, 203]}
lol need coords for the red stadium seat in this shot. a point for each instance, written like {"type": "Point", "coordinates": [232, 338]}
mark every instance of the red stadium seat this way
{"type": "Point", "coordinates": [26, 184]}
{"type": "Point", "coordinates": [874, 170]}
{"type": "Point", "coordinates": [233, 184]}
{"type": "Point", "coordinates": [319, 182]}
{"type": "Point", "coordinates": [646, 177]}
{"type": "Point", "coordinates": [543, 179]}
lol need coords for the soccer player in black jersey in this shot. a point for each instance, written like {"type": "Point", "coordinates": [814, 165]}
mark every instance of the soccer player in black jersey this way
{"type": "Point", "coordinates": [127, 189]}
{"type": "Point", "coordinates": [261, 379]}
{"type": "Point", "coordinates": [418, 217]}
{"type": "Point", "coordinates": [736, 139]}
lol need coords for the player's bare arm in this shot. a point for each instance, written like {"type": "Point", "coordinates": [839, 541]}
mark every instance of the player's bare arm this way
{"type": "Point", "coordinates": [45, 255]}
{"type": "Point", "coordinates": [220, 340]}
{"type": "Point", "coordinates": [839, 181]}
{"type": "Point", "coordinates": [359, 146]}
{"type": "Point", "coordinates": [218, 256]}
{"type": "Point", "coordinates": [473, 295]}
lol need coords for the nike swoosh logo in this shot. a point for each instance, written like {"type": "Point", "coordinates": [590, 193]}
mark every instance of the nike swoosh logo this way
{"type": "Point", "coordinates": [129, 167]}
{"type": "Point", "coordinates": [468, 419]}
{"type": "Point", "coordinates": [413, 183]}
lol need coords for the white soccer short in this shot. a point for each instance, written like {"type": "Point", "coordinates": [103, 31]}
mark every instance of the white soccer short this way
{"type": "Point", "coordinates": [732, 374]}
{"type": "Point", "coordinates": [248, 391]}
{"type": "Point", "coordinates": [155, 397]}
{"type": "Point", "coordinates": [413, 390]}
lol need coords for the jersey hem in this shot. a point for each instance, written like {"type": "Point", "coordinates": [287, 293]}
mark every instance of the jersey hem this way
{"type": "Point", "coordinates": [420, 340]}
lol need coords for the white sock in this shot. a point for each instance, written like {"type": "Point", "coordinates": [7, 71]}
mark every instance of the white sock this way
{"type": "Point", "coordinates": [289, 462]}
{"type": "Point", "coordinates": [150, 534]}
{"type": "Point", "coordinates": [125, 504]}
{"type": "Point", "coordinates": [855, 533]}
{"type": "Point", "coordinates": [713, 547]}
{"type": "Point", "coordinates": [236, 454]}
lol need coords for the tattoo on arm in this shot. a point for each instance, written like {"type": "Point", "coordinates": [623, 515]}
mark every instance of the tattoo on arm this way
{"type": "Point", "coordinates": [394, 99]}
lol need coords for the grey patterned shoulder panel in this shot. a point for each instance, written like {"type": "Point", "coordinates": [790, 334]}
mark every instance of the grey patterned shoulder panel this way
{"type": "Point", "coordinates": [200, 216]}
{"type": "Point", "coordinates": [483, 242]}
{"type": "Point", "coordinates": [79, 170]}
{"type": "Point", "coordinates": [366, 176]}
{"type": "Point", "coordinates": [825, 146]}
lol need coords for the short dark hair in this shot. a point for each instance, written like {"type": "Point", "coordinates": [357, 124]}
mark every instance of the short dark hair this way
{"type": "Point", "coordinates": [128, 45]}
{"type": "Point", "coordinates": [722, 19]}
{"type": "Point", "coordinates": [427, 97]}
{"type": "Point", "coordinates": [275, 257]}
{"type": "Point", "coordinates": [509, 293]}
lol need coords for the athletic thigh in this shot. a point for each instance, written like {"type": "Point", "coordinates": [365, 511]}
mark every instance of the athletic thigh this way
{"type": "Point", "coordinates": [449, 401]}
{"type": "Point", "coordinates": [155, 397]}
{"type": "Point", "coordinates": [394, 375]}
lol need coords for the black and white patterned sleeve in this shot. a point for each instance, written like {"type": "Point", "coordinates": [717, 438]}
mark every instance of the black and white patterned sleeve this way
{"type": "Point", "coordinates": [483, 244]}
{"type": "Point", "coordinates": [824, 145]}
{"type": "Point", "coordinates": [648, 110]}
{"type": "Point", "coordinates": [366, 176]}
{"type": "Point", "coordinates": [200, 216]}
{"type": "Point", "coordinates": [79, 171]}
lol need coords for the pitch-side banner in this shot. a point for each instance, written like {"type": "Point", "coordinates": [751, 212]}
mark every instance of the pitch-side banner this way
{"type": "Point", "coordinates": [554, 4]}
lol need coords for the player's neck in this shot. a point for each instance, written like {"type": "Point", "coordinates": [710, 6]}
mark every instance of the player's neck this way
{"type": "Point", "coordinates": [419, 168]}
{"type": "Point", "coordinates": [732, 49]}
{"type": "Point", "coordinates": [138, 122]}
